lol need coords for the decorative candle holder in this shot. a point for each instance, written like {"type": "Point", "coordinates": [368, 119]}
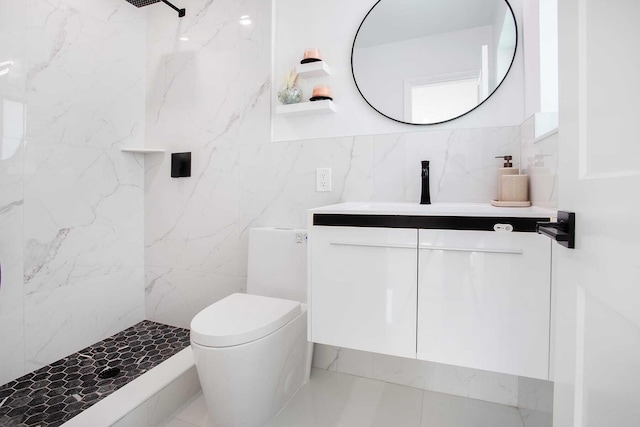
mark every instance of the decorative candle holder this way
{"type": "Point", "coordinates": [311, 55]}
{"type": "Point", "coordinates": [320, 93]}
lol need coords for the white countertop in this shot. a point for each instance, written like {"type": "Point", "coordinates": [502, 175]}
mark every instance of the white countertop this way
{"type": "Point", "coordinates": [436, 209]}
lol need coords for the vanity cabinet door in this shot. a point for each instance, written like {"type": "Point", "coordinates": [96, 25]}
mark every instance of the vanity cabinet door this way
{"type": "Point", "coordinates": [363, 288]}
{"type": "Point", "coordinates": [484, 300]}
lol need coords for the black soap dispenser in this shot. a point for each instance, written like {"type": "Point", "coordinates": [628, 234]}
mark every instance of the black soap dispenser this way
{"type": "Point", "coordinates": [425, 196]}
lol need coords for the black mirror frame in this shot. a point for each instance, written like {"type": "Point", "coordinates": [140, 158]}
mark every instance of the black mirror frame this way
{"type": "Point", "coordinates": [515, 52]}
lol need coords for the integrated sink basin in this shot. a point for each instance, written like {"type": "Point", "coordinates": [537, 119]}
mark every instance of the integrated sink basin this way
{"type": "Point", "coordinates": [436, 209]}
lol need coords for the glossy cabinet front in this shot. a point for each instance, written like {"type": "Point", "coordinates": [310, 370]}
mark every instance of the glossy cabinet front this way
{"type": "Point", "coordinates": [484, 300]}
{"type": "Point", "coordinates": [472, 298]}
{"type": "Point", "coordinates": [363, 292]}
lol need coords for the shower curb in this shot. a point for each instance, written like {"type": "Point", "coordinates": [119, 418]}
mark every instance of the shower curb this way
{"type": "Point", "coordinates": [62, 390]}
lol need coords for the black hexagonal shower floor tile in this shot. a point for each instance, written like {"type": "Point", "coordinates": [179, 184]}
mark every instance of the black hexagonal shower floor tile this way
{"type": "Point", "coordinates": [53, 395]}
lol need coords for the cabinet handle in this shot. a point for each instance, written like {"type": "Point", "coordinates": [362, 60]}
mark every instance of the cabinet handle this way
{"type": "Point", "coordinates": [375, 245]}
{"type": "Point", "coordinates": [482, 250]}
{"type": "Point", "coordinates": [429, 248]}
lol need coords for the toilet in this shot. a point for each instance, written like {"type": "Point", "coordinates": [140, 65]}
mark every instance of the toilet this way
{"type": "Point", "coordinates": [251, 350]}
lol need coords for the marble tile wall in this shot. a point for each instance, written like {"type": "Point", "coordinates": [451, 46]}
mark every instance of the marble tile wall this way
{"type": "Point", "coordinates": [71, 204]}
{"type": "Point", "coordinates": [488, 386]}
{"type": "Point", "coordinates": [12, 94]}
{"type": "Point", "coordinates": [208, 92]}
{"type": "Point", "coordinates": [540, 162]}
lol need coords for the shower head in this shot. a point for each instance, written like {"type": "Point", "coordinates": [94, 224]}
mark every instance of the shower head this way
{"type": "Point", "coordinates": [143, 3]}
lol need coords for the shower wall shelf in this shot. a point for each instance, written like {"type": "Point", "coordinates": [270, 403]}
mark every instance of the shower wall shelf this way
{"type": "Point", "coordinates": [306, 108]}
{"type": "Point", "coordinates": [142, 150]}
{"type": "Point", "coordinates": [313, 70]}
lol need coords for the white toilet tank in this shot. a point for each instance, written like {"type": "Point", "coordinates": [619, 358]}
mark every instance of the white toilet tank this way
{"type": "Point", "coordinates": [277, 263]}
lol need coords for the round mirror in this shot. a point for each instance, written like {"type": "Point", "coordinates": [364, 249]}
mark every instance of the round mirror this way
{"type": "Point", "coordinates": [430, 61]}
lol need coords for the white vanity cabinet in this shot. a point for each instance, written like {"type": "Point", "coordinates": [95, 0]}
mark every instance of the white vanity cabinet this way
{"type": "Point", "coordinates": [363, 293]}
{"type": "Point", "coordinates": [464, 285]}
{"type": "Point", "coordinates": [484, 300]}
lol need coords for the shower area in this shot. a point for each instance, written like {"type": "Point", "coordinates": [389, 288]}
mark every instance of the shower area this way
{"type": "Point", "coordinates": [104, 257]}
{"type": "Point", "coordinates": [72, 95]}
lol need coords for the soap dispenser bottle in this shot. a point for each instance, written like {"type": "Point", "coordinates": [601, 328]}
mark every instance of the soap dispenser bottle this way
{"type": "Point", "coordinates": [507, 169]}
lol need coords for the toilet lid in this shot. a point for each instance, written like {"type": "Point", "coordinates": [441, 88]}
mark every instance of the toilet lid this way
{"type": "Point", "coordinates": [241, 318]}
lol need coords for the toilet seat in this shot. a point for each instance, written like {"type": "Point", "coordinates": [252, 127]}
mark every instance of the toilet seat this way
{"type": "Point", "coordinates": [241, 318]}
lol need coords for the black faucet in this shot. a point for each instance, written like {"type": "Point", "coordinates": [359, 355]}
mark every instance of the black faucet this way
{"type": "Point", "coordinates": [425, 197]}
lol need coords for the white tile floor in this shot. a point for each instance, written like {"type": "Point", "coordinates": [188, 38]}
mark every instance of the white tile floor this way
{"type": "Point", "coordinates": [333, 399]}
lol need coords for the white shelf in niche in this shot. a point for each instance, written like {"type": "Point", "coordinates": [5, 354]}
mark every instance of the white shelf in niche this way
{"type": "Point", "coordinates": [313, 70]}
{"type": "Point", "coordinates": [142, 150]}
{"type": "Point", "coordinates": [306, 108]}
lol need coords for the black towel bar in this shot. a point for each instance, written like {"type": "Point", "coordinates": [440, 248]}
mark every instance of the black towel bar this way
{"type": "Point", "coordinates": [563, 231]}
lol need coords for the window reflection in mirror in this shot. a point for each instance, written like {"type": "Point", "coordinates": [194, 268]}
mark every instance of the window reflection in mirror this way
{"type": "Point", "coordinates": [430, 61]}
{"type": "Point", "coordinates": [438, 101]}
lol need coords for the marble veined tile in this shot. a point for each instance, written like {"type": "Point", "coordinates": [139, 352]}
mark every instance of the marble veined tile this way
{"type": "Point", "coordinates": [476, 384]}
{"type": "Point", "coordinates": [463, 164]}
{"type": "Point", "coordinates": [12, 16]}
{"type": "Point", "coordinates": [535, 394]}
{"type": "Point", "coordinates": [455, 380]}
{"type": "Point", "coordinates": [65, 319]}
{"type": "Point", "coordinates": [207, 74]}
{"type": "Point", "coordinates": [11, 297]}
{"type": "Point", "coordinates": [532, 418]}
{"type": "Point", "coordinates": [208, 93]}
{"type": "Point", "coordinates": [280, 195]}
{"type": "Point", "coordinates": [11, 327]}
{"type": "Point", "coordinates": [541, 164]}
{"type": "Point", "coordinates": [83, 215]}
{"type": "Point", "coordinates": [11, 256]}
{"type": "Point", "coordinates": [399, 370]}
{"type": "Point", "coordinates": [175, 296]}
{"type": "Point", "coordinates": [389, 180]}
{"type": "Point", "coordinates": [84, 76]}
{"type": "Point", "coordinates": [344, 360]}
{"type": "Point", "coordinates": [11, 293]}
{"type": "Point", "coordinates": [193, 223]}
